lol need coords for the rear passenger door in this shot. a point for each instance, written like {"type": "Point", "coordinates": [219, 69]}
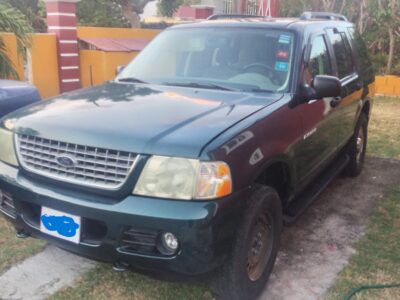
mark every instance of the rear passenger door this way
{"type": "Point", "coordinates": [352, 85]}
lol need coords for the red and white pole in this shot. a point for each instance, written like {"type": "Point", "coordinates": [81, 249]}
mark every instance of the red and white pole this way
{"type": "Point", "coordinates": [268, 8]}
{"type": "Point", "coordinates": [61, 20]}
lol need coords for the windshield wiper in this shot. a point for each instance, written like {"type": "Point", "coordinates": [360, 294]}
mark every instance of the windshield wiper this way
{"type": "Point", "coordinates": [261, 91]}
{"type": "Point", "coordinates": [131, 79]}
{"type": "Point", "coordinates": [201, 85]}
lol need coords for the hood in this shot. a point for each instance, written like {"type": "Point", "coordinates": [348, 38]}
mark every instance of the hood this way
{"type": "Point", "coordinates": [139, 118]}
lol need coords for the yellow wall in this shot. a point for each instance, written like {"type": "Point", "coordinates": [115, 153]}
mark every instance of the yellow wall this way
{"type": "Point", "coordinates": [100, 66]}
{"type": "Point", "coordinates": [388, 85]}
{"type": "Point", "coordinates": [44, 64]}
{"type": "Point", "coordinates": [121, 33]}
{"type": "Point", "coordinates": [10, 42]}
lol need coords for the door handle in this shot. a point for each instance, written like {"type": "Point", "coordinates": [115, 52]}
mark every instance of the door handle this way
{"type": "Point", "coordinates": [336, 101]}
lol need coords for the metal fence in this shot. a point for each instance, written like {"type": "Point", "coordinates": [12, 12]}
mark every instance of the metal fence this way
{"type": "Point", "coordinates": [228, 7]}
{"type": "Point", "coordinates": [251, 7]}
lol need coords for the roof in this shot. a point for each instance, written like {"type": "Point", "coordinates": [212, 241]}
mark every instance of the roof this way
{"type": "Point", "coordinates": [116, 45]}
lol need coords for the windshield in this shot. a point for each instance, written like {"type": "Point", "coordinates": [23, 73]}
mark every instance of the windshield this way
{"type": "Point", "coordinates": [243, 59]}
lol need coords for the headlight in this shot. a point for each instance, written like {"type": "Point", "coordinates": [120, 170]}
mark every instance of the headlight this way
{"type": "Point", "coordinates": [184, 179]}
{"type": "Point", "coordinates": [7, 151]}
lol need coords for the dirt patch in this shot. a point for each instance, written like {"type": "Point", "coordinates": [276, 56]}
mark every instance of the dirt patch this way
{"type": "Point", "coordinates": [319, 244]}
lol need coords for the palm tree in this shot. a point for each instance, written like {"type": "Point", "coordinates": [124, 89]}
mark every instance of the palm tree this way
{"type": "Point", "coordinates": [12, 20]}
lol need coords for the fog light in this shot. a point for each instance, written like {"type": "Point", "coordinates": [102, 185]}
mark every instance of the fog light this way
{"type": "Point", "coordinates": [169, 243]}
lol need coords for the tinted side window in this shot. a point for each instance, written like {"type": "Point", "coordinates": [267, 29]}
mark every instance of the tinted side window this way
{"type": "Point", "coordinates": [361, 53]}
{"type": "Point", "coordinates": [319, 63]}
{"type": "Point", "coordinates": [342, 53]}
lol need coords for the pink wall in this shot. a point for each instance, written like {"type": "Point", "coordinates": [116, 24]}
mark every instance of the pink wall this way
{"type": "Point", "coordinates": [188, 12]}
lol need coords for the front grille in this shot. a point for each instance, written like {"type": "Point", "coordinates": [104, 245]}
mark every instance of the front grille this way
{"type": "Point", "coordinates": [139, 241]}
{"type": "Point", "coordinates": [94, 167]}
{"type": "Point", "coordinates": [7, 204]}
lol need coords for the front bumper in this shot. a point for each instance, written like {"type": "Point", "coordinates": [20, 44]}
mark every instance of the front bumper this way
{"type": "Point", "coordinates": [205, 229]}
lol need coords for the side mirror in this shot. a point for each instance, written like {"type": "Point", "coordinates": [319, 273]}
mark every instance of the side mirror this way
{"type": "Point", "coordinates": [119, 69]}
{"type": "Point", "coordinates": [326, 86]}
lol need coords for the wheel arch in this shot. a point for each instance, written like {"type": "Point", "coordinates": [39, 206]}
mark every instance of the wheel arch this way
{"type": "Point", "coordinates": [278, 174]}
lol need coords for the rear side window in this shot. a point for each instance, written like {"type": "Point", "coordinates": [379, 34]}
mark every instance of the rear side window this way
{"type": "Point", "coordinates": [319, 62]}
{"type": "Point", "coordinates": [342, 50]}
{"type": "Point", "coordinates": [361, 53]}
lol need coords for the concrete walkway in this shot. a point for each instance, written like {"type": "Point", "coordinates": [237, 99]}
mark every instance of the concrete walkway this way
{"type": "Point", "coordinates": [43, 274]}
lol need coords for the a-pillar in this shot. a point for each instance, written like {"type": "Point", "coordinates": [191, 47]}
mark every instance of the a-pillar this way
{"type": "Point", "coordinates": [61, 20]}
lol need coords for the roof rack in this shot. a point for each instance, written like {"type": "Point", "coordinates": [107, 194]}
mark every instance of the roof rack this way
{"type": "Point", "coordinates": [322, 15]}
{"type": "Point", "coordinates": [227, 16]}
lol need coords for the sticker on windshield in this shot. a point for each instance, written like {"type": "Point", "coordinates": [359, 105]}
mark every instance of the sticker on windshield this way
{"type": "Point", "coordinates": [282, 54]}
{"type": "Point", "coordinates": [284, 39]}
{"type": "Point", "coordinates": [281, 66]}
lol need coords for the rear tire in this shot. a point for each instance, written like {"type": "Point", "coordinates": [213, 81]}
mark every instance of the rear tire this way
{"type": "Point", "coordinates": [246, 272]}
{"type": "Point", "coordinates": [357, 147]}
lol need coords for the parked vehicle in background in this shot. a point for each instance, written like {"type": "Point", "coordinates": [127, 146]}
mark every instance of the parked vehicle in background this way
{"type": "Point", "coordinates": [16, 94]}
{"type": "Point", "coordinates": [194, 156]}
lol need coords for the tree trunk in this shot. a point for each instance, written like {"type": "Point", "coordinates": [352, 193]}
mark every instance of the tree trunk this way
{"type": "Point", "coordinates": [391, 50]}
{"type": "Point", "coordinates": [129, 13]}
{"type": "Point", "coordinates": [344, 2]}
{"type": "Point", "coordinates": [392, 37]}
{"type": "Point", "coordinates": [361, 18]}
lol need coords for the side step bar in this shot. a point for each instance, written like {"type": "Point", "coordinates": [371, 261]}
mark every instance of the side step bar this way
{"type": "Point", "coordinates": [305, 199]}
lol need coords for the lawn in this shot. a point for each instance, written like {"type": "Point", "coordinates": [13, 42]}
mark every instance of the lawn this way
{"type": "Point", "coordinates": [103, 283]}
{"type": "Point", "coordinates": [14, 250]}
{"type": "Point", "coordinates": [384, 128]}
{"type": "Point", "coordinates": [377, 260]}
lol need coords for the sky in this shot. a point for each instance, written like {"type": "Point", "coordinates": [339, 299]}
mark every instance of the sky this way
{"type": "Point", "coordinates": [150, 10]}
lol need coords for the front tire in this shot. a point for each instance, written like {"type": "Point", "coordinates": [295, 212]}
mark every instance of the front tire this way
{"type": "Point", "coordinates": [245, 274]}
{"type": "Point", "coordinates": [357, 147]}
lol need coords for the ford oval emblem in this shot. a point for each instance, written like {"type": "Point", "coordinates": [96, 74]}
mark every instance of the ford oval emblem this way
{"type": "Point", "coordinates": [66, 161]}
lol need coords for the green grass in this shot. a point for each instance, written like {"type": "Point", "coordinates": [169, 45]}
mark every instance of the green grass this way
{"type": "Point", "coordinates": [103, 283]}
{"type": "Point", "coordinates": [384, 128]}
{"type": "Point", "coordinates": [378, 259]}
{"type": "Point", "coordinates": [14, 250]}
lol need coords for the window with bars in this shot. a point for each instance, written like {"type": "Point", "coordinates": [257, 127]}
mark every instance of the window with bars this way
{"type": "Point", "coordinates": [252, 7]}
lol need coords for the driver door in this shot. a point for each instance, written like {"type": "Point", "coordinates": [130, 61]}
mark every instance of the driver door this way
{"type": "Point", "coordinates": [319, 141]}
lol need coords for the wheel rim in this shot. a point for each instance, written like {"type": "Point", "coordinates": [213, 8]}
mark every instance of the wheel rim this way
{"type": "Point", "coordinates": [360, 145]}
{"type": "Point", "coordinates": [260, 247]}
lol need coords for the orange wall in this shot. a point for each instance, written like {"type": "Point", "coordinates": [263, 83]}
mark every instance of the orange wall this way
{"type": "Point", "coordinates": [10, 42]}
{"type": "Point", "coordinates": [388, 85]}
{"type": "Point", "coordinates": [99, 66]}
{"type": "Point", "coordinates": [44, 64]}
